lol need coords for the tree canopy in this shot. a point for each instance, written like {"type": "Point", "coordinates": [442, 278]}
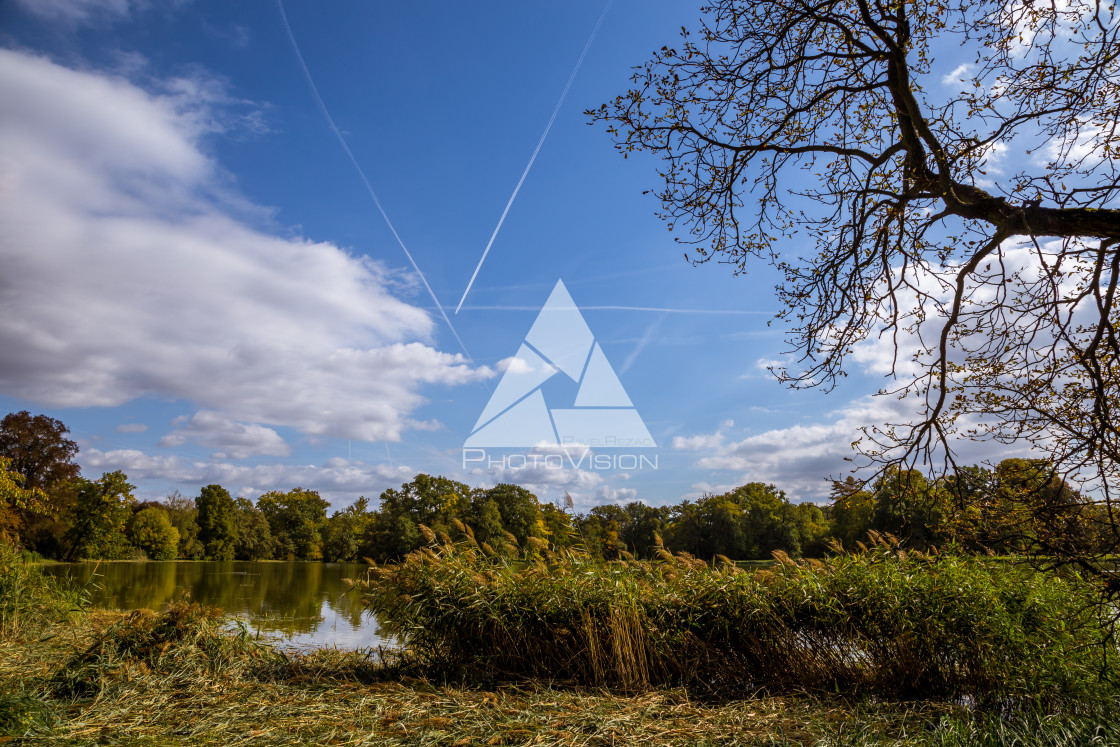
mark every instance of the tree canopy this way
{"type": "Point", "coordinates": [217, 522]}
{"type": "Point", "coordinates": [37, 448]}
{"type": "Point", "coordinates": [97, 521]}
{"type": "Point", "coordinates": [953, 166]}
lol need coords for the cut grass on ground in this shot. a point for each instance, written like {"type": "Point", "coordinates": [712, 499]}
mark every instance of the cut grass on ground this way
{"type": "Point", "coordinates": [254, 695]}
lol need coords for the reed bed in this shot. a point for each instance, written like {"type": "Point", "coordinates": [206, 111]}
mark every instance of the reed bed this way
{"type": "Point", "coordinates": [885, 621]}
{"type": "Point", "coordinates": [182, 677]}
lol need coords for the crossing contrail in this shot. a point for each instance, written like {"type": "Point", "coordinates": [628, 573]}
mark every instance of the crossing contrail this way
{"type": "Point", "coordinates": [536, 150]}
{"type": "Point", "coordinates": [369, 187]}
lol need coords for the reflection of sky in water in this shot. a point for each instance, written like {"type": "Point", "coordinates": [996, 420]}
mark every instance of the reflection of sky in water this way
{"type": "Point", "coordinates": [297, 604]}
{"type": "Point", "coordinates": [329, 630]}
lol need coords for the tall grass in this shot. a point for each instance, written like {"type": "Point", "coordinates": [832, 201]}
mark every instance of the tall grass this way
{"type": "Point", "coordinates": [886, 621]}
{"type": "Point", "coordinates": [31, 599]}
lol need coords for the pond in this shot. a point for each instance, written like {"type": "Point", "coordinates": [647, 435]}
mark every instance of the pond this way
{"type": "Point", "coordinates": [298, 604]}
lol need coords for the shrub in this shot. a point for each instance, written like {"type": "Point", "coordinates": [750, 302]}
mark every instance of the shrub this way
{"type": "Point", "coordinates": [151, 530]}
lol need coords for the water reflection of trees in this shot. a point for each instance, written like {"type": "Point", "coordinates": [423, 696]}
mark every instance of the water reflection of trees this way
{"type": "Point", "coordinates": [275, 597]}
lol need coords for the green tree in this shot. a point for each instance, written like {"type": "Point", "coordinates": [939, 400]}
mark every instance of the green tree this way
{"type": "Point", "coordinates": [812, 527]}
{"type": "Point", "coordinates": [639, 527]}
{"type": "Point", "coordinates": [684, 529]}
{"type": "Point", "coordinates": [38, 451]}
{"type": "Point", "coordinates": [519, 508]}
{"type": "Point", "coordinates": [15, 500]}
{"type": "Point", "coordinates": [486, 521]}
{"type": "Point", "coordinates": [723, 528]}
{"type": "Point", "coordinates": [853, 511]}
{"type": "Point", "coordinates": [1031, 509]}
{"type": "Point", "coordinates": [432, 501]}
{"type": "Point", "coordinates": [217, 522]}
{"type": "Point", "coordinates": [344, 530]}
{"type": "Point", "coordinates": [296, 520]}
{"type": "Point", "coordinates": [254, 536]}
{"type": "Point", "coordinates": [37, 448]}
{"type": "Point", "coordinates": [749, 522]}
{"type": "Point", "coordinates": [390, 537]}
{"type": "Point", "coordinates": [98, 518]}
{"type": "Point", "coordinates": [558, 526]}
{"type": "Point", "coordinates": [184, 517]}
{"type": "Point", "coordinates": [767, 522]}
{"type": "Point", "coordinates": [599, 530]}
{"type": "Point", "coordinates": [910, 508]}
{"type": "Point", "coordinates": [150, 530]}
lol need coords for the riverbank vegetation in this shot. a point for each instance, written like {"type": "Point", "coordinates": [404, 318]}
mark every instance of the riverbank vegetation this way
{"type": "Point", "coordinates": [186, 676]}
{"type": "Point", "coordinates": [1019, 507]}
{"type": "Point", "coordinates": [886, 621]}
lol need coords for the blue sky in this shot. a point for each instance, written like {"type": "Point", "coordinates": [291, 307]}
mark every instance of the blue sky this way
{"type": "Point", "coordinates": [199, 284]}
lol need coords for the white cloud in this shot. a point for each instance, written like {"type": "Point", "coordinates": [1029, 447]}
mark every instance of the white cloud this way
{"type": "Point", "coordinates": [802, 458]}
{"type": "Point", "coordinates": [74, 12]}
{"type": "Point", "coordinates": [610, 494]}
{"type": "Point", "coordinates": [762, 369]}
{"type": "Point", "coordinates": [703, 488]}
{"type": "Point", "coordinates": [703, 441]}
{"type": "Point", "coordinates": [126, 274]}
{"type": "Point", "coordinates": [575, 452]}
{"type": "Point", "coordinates": [234, 440]}
{"type": "Point", "coordinates": [698, 442]}
{"type": "Point", "coordinates": [799, 459]}
{"type": "Point", "coordinates": [959, 73]}
{"type": "Point", "coordinates": [1087, 147]}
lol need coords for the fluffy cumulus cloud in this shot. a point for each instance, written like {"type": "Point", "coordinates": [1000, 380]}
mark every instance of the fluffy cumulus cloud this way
{"type": "Point", "coordinates": [126, 274]}
{"type": "Point", "coordinates": [338, 480]}
{"type": "Point", "coordinates": [231, 439]}
{"type": "Point", "coordinates": [611, 494]}
{"type": "Point", "coordinates": [798, 459]}
{"type": "Point", "coordinates": [802, 458]}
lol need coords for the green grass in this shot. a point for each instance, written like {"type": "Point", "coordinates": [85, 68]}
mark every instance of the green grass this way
{"type": "Point", "coordinates": [31, 599]}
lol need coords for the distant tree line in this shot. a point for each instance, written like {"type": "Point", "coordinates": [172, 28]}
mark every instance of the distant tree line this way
{"type": "Point", "coordinates": [1020, 506]}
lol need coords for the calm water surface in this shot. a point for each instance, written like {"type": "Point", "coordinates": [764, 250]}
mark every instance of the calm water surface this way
{"type": "Point", "coordinates": [300, 604]}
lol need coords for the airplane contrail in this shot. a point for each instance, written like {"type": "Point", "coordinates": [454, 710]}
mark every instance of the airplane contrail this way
{"type": "Point", "coordinates": [357, 167]}
{"type": "Point", "coordinates": [657, 309]}
{"type": "Point", "coordinates": [536, 150]}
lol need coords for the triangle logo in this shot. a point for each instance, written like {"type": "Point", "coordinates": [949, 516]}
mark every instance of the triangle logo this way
{"type": "Point", "coordinates": [559, 343]}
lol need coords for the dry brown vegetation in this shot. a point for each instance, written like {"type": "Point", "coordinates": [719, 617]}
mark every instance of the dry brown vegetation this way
{"type": "Point", "coordinates": [244, 693]}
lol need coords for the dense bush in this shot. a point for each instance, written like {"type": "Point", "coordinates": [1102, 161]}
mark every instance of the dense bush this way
{"type": "Point", "coordinates": [150, 530]}
{"type": "Point", "coordinates": [886, 621]}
